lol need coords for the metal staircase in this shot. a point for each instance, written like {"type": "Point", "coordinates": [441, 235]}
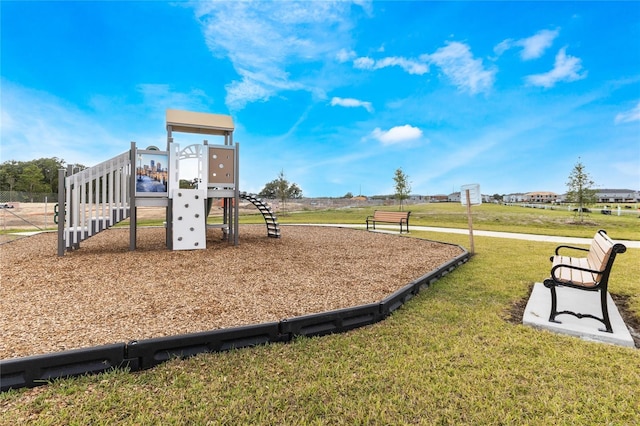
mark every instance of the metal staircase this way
{"type": "Point", "coordinates": [273, 228]}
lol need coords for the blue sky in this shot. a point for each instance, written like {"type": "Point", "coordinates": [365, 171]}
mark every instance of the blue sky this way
{"type": "Point", "coordinates": [338, 95]}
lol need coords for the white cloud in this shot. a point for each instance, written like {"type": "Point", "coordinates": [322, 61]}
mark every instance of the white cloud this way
{"type": "Point", "coordinates": [239, 93]}
{"type": "Point", "coordinates": [503, 46]}
{"type": "Point", "coordinates": [409, 65]}
{"type": "Point", "coordinates": [261, 39]}
{"type": "Point", "coordinates": [345, 55]}
{"type": "Point", "coordinates": [629, 116]}
{"type": "Point", "coordinates": [397, 134]}
{"type": "Point", "coordinates": [351, 103]}
{"type": "Point", "coordinates": [566, 68]}
{"type": "Point", "coordinates": [364, 63]}
{"type": "Point", "coordinates": [458, 64]}
{"type": "Point", "coordinates": [455, 60]}
{"type": "Point", "coordinates": [532, 47]}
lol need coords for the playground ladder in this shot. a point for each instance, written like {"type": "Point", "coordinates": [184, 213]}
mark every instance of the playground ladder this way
{"type": "Point", "coordinates": [273, 228]}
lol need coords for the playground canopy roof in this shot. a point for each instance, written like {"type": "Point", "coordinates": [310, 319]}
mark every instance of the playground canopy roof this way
{"type": "Point", "coordinates": [199, 122]}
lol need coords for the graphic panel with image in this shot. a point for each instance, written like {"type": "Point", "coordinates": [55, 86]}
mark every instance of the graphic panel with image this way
{"type": "Point", "coordinates": [151, 173]}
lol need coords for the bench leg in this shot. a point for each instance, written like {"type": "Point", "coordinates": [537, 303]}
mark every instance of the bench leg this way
{"type": "Point", "coordinates": [554, 305]}
{"type": "Point", "coordinates": [605, 311]}
{"type": "Point", "coordinates": [603, 304]}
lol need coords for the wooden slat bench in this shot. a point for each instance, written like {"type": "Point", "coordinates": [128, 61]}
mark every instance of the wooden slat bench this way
{"type": "Point", "coordinates": [401, 218]}
{"type": "Point", "coordinates": [590, 273]}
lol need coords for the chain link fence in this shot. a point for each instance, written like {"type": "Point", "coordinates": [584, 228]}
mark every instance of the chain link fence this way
{"type": "Point", "coordinates": [9, 197]}
{"type": "Point", "coordinates": [27, 216]}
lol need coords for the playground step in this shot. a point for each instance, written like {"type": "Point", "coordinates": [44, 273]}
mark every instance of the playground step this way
{"type": "Point", "coordinates": [94, 226]}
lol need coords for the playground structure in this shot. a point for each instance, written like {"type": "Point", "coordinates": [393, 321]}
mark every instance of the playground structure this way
{"type": "Point", "coordinates": [101, 196]}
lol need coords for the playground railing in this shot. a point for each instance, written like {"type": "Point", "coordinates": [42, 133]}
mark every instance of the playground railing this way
{"type": "Point", "coordinates": [94, 199]}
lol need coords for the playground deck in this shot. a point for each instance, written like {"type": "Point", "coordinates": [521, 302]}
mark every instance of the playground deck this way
{"type": "Point", "coordinates": [104, 293]}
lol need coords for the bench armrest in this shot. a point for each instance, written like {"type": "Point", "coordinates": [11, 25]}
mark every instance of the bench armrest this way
{"type": "Point", "coordinates": [569, 247]}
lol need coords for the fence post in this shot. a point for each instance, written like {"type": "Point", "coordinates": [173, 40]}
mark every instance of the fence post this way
{"type": "Point", "coordinates": [61, 210]}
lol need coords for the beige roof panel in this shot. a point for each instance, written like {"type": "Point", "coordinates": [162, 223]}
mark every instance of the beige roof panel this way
{"type": "Point", "coordinates": [199, 122]}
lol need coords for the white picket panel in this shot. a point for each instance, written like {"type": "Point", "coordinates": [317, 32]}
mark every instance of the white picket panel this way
{"type": "Point", "coordinates": [96, 198]}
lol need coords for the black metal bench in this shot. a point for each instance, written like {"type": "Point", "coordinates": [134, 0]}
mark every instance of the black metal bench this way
{"type": "Point", "coordinates": [401, 218]}
{"type": "Point", "coordinates": [590, 273]}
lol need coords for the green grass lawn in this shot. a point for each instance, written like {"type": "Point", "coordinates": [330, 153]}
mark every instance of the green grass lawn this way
{"type": "Point", "coordinates": [449, 356]}
{"type": "Point", "coordinates": [489, 217]}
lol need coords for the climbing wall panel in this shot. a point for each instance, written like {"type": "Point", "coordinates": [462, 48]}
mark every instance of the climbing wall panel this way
{"type": "Point", "coordinates": [189, 219]}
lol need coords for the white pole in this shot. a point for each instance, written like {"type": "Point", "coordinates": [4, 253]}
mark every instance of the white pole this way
{"type": "Point", "coordinates": [470, 221]}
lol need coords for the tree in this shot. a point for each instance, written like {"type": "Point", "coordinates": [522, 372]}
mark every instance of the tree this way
{"type": "Point", "coordinates": [348, 195]}
{"type": "Point", "coordinates": [49, 168]}
{"type": "Point", "coordinates": [580, 192]}
{"type": "Point", "coordinates": [31, 181]}
{"type": "Point", "coordinates": [402, 186]}
{"type": "Point", "coordinates": [11, 171]}
{"type": "Point", "coordinates": [281, 189]}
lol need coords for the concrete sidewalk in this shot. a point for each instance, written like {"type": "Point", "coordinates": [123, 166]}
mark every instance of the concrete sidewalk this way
{"type": "Point", "coordinates": [529, 237]}
{"type": "Point", "coordinates": [495, 234]}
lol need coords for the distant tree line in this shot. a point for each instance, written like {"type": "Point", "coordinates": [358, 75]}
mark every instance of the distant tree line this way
{"type": "Point", "coordinates": [31, 177]}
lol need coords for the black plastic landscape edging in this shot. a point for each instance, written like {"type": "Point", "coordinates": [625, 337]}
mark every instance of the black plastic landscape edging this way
{"type": "Point", "coordinates": [38, 370]}
{"type": "Point", "coordinates": [331, 322]}
{"type": "Point", "coordinates": [151, 352]}
{"type": "Point", "coordinates": [138, 355]}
